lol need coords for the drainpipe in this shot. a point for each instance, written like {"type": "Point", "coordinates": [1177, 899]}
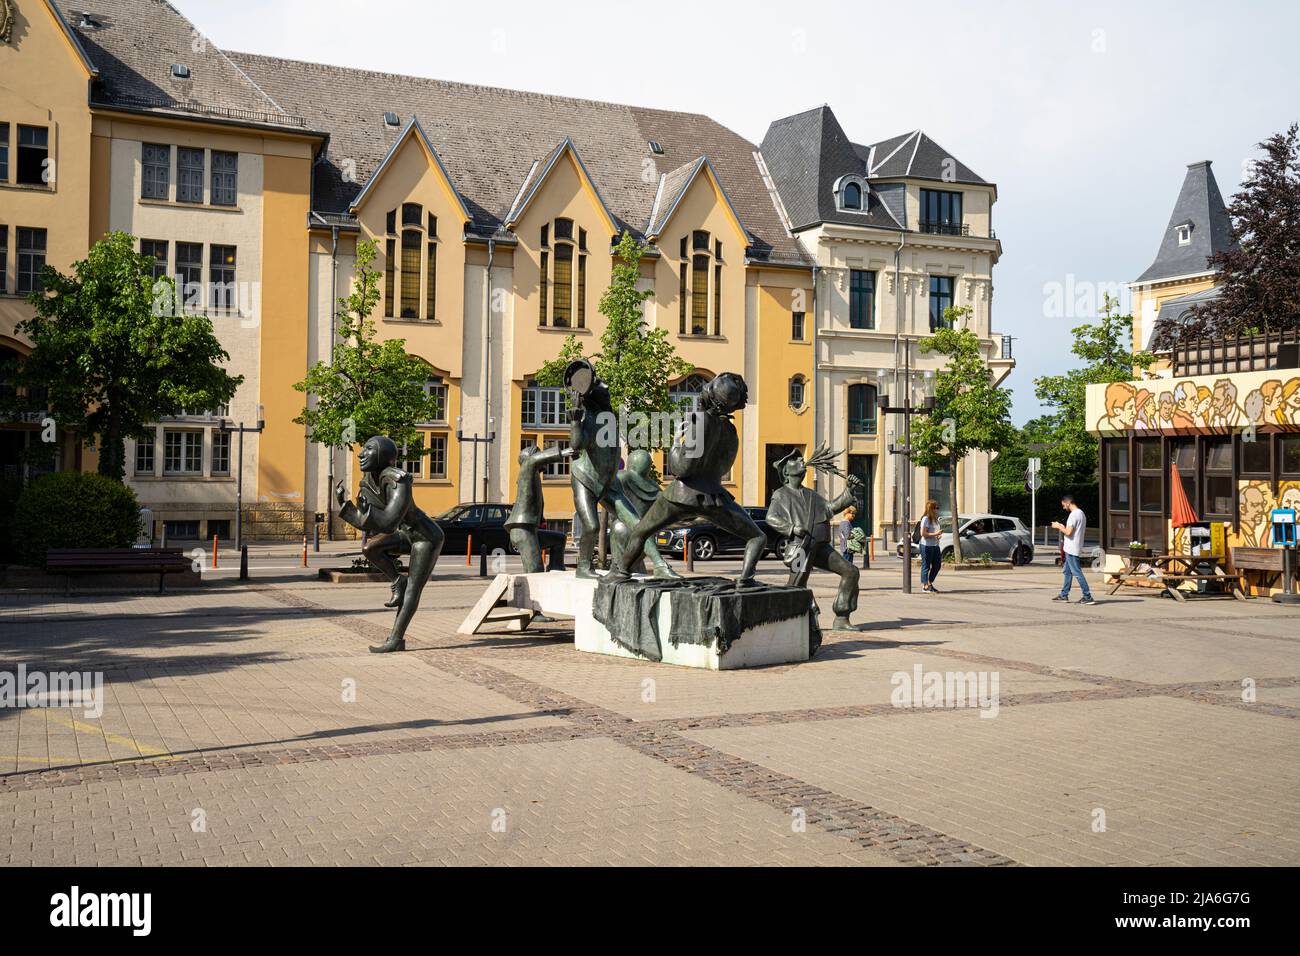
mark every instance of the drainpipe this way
{"type": "Point", "coordinates": [487, 372]}
{"type": "Point", "coordinates": [334, 291]}
{"type": "Point", "coordinates": [816, 377]}
{"type": "Point", "coordinates": [898, 331]}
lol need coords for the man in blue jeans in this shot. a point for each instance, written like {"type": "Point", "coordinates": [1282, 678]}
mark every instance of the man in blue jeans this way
{"type": "Point", "coordinates": [1072, 531]}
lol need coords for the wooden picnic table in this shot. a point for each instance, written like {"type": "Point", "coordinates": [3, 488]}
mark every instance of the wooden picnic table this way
{"type": "Point", "coordinates": [1174, 569]}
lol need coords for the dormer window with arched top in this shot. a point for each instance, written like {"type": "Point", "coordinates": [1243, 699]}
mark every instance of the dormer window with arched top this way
{"type": "Point", "coordinates": [563, 272]}
{"type": "Point", "coordinates": [411, 264]}
{"type": "Point", "coordinates": [851, 194]}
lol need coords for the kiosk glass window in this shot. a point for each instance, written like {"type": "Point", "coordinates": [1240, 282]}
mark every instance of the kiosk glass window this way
{"type": "Point", "coordinates": [1218, 479]}
{"type": "Point", "coordinates": [1151, 498]}
{"type": "Point", "coordinates": [1289, 452]}
{"type": "Point", "coordinates": [1257, 457]}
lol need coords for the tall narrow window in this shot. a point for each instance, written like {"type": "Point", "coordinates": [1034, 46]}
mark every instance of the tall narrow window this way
{"type": "Point", "coordinates": [189, 175]}
{"type": "Point", "coordinates": [33, 153]}
{"type": "Point", "coordinates": [412, 213]}
{"type": "Point", "coordinates": [563, 313]}
{"type": "Point", "coordinates": [222, 292]}
{"type": "Point", "coordinates": [144, 455]}
{"type": "Point", "coordinates": [543, 289]}
{"type": "Point", "coordinates": [681, 295]}
{"type": "Point", "coordinates": [796, 326]}
{"type": "Point", "coordinates": [432, 228]}
{"type": "Point", "coordinates": [700, 295]}
{"type": "Point", "coordinates": [390, 223]}
{"type": "Point", "coordinates": [31, 259]}
{"type": "Point", "coordinates": [4, 152]}
{"type": "Point", "coordinates": [410, 274]}
{"type": "Point", "coordinates": [852, 196]}
{"type": "Point", "coordinates": [155, 171]}
{"type": "Point", "coordinates": [4, 258]}
{"type": "Point", "coordinates": [189, 272]}
{"type": "Point", "coordinates": [717, 300]}
{"type": "Point", "coordinates": [582, 292]}
{"type": "Point", "coordinates": [390, 263]}
{"type": "Point", "coordinates": [431, 282]}
{"type": "Point", "coordinates": [940, 301]}
{"type": "Point", "coordinates": [437, 456]}
{"type": "Point", "coordinates": [157, 249]}
{"type": "Point", "coordinates": [225, 178]}
{"type": "Point", "coordinates": [862, 296]}
{"type": "Point", "coordinates": [220, 453]}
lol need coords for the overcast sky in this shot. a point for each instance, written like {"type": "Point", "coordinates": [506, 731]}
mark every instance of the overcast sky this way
{"type": "Point", "coordinates": [1084, 114]}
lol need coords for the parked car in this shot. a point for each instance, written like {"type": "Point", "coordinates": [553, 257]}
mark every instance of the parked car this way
{"type": "Point", "coordinates": [1001, 537]}
{"type": "Point", "coordinates": [708, 541]}
{"type": "Point", "coordinates": [485, 524]}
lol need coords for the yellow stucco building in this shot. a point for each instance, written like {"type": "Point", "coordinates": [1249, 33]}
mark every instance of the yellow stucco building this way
{"type": "Point", "coordinates": [495, 212]}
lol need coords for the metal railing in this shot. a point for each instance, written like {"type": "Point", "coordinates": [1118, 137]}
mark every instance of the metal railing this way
{"type": "Point", "coordinates": [224, 112]}
{"type": "Point", "coordinates": [940, 228]}
{"type": "Point", "coordinates": [1242, 353]}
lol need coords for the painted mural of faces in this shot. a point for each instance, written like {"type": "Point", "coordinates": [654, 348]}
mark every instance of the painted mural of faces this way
{"type": "Point", "coordinates": [1290, 498]}
{"type": "Point", "coordinates": [1187, 399]}
{"type": "Point", "coordinates": [1167, 408]}
{"type": "Point", "coordinates": [1254, 407]}
{"type": "Point", "coordinates": [1272, 392]}
{"type": "Point", "coordinates": [1224, 401]}
{"type": "Point", "coordinates": [1121, 405]}
{"type": "Point", "coordinates": [1291, 401]}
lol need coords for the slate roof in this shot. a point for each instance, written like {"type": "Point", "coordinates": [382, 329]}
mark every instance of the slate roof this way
{"type": "Point", "coordinates": [808, 152]}
{"type": "Point", "coordinates": [490, 139]}
{"type": "Point", "coordinates": [134, 45]}
{"type": "Point", "coordinates": [915, 155]}
{"type": "Point", "coordinates": [1201, 204]}
{"type": "Point", "coordinates": [1172, 311]}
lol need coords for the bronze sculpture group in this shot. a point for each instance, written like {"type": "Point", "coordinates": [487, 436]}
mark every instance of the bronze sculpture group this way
{"type": "Point", "coordinates": [702, 453]}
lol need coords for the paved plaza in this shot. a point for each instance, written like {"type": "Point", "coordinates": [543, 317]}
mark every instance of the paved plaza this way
{"type": "Point", "coordinates": [247, 724]}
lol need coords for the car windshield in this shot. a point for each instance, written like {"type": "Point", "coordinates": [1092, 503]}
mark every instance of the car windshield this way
{"type": "Point", "coordinates": [452, 514]}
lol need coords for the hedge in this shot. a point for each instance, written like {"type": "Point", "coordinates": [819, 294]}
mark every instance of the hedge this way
{"type": "Point", "coordinates": [71, 509]}
{"type": "Point", "coordinates": [1016, 503]}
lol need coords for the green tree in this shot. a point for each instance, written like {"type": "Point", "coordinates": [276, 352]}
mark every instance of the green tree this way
{"type": "Point", "coordinates": [370, 387]}
{"type": "Point", "coordinates": [1106, 350]}
{"type": "Point", "coordinates": [971, 412]}
{"type": "Point", "coordinates": [1259, 276]}
{"type": "Point", "coordinates": [636, 362]}
{"type": "Point", "coordinates": [115, 351]}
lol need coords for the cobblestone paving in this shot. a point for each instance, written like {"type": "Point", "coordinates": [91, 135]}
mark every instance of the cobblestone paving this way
{"type": "Point", "coordinates": [249, 725]}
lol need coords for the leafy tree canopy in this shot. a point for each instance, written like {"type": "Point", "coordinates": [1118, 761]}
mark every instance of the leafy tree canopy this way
{"type": "Point", "coordinates": [115, 352]}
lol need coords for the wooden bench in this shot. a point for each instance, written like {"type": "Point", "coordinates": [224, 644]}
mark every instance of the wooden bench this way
{"type": "Point", "coordinates": [159, 561]}
{"type": "Point", "coordinates": [1174, 569]}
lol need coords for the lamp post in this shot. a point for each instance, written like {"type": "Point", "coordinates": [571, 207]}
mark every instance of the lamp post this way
{"type": "Point", "coordinates": [476, 440]}
{"type": "Point", "coordinates": [241, 428]}
{"type": "Point", "coordinates": [907, 409]}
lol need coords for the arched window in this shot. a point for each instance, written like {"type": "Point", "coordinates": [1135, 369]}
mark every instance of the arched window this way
{"type": "Point", "coordinates": [686, 393]}
{"type": "Point", "coordinates": [411, 274]}
{"type": "Point", "coordinates": [852, 196]}
{"type": "Point", "coordinates": [862, 409]}
{"type": "Point", "coordinates": [699, 286]}
{"type": "Point", "coordinates": [563, 276]}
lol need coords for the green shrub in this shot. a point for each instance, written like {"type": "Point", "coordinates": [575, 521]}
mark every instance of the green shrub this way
{"type": "Point", "coordinates": [69, 509]}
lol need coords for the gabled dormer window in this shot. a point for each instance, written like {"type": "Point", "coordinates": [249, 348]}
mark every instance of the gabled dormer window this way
{"type": "Point", "coordinates": [1184, 232]}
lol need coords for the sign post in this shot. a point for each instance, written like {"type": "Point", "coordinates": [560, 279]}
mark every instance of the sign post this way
{"type": "Point", "coordinates": [1032, 484]}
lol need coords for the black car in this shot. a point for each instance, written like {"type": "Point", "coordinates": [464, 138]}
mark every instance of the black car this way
{"type": "Point", "coordinates": [709, 541]}
{"type": "Point", "coordinates": [475, 525]}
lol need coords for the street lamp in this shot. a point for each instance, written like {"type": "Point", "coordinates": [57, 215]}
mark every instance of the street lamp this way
{"type": "Point", "coordinates": [907, 409]}
{"type": "Point", "coordinates": [476, 439]}
{"type": "Point", "coordinates": [226, 426]}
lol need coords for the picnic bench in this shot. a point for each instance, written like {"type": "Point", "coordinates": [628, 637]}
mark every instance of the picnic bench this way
{"type": "Point", "coordinates": [77, 561]}
{"type": "Point", "coordinates": [1174, 569]}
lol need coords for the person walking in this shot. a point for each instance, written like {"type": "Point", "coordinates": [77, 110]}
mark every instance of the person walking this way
{"type": "Point", "coordinates": [845, 532]}
{"type": "Point", "coordinates": [931, 558]}
{"type": "Point", "coordinates": [1072, 541]}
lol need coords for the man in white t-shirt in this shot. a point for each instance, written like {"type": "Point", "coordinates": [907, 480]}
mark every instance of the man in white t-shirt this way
{"type": "Point", "coordinates": [1073, 529]}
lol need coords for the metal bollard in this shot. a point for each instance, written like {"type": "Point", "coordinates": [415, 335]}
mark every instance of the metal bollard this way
{"type": "Point", "coordinates": [688, 553]}
{"type": "Point", "coordinates": [243, 562]}
{"type": "Point", "coordinates": [316, 541]}
{"type": "Point", "coordinates": [482, 560]}
{"type": "Point", "coordinates": [304, 551]}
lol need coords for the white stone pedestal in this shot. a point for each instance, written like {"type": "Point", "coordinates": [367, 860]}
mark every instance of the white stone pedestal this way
{"type": "Point", "coordinates": [562, 593]}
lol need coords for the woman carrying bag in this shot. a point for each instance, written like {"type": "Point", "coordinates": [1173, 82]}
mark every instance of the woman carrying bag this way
{"type": "Point", "coordinates": [930, 556]}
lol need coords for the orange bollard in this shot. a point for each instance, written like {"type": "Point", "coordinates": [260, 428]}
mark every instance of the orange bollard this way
{"type": "Point", "coordinates": [304, 551]}
{"type": "Point", "coordinates": [873, 549]}
{"type": "Point", "coordinates": [469, 549]}
{"type": "Point", "coordinates": [214, 552]}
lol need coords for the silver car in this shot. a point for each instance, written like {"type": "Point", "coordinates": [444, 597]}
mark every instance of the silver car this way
{"type": "Point", "coordinates": [1001, 537]}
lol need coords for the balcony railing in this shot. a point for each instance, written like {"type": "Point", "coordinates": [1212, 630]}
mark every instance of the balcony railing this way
{"type": "Point", "coordinates": [1243, 353]}
{"type": "Point", "coordinates": [945, 228]}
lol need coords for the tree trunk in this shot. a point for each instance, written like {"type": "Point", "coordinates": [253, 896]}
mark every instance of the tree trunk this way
{"type": "Point", "coordinates": [956, 510]}
{"type": "Point", "coordinates": [112, 451]}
